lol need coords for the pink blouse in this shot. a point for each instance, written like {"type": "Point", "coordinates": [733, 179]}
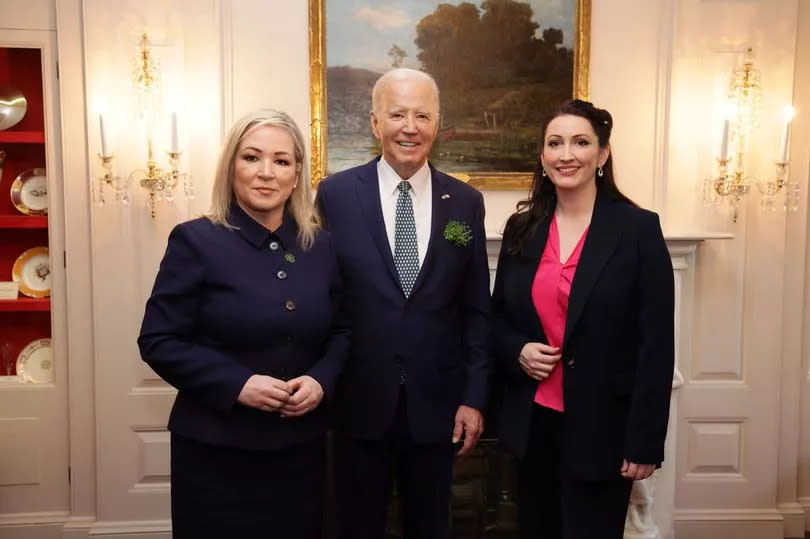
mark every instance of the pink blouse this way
{"type": "Point", "coordinates": [550, 291]}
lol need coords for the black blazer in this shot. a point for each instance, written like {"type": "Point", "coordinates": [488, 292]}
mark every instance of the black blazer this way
{"type": "Point", "coordinates": [618, 348]}
{"type": "Point", "coordinates": [438, 335]}
{"type": "Point", "coordinates": [230, 303]}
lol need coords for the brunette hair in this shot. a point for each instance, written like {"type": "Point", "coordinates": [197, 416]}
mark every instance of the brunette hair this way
{"type": "Point", "coordinates": [543, 196]}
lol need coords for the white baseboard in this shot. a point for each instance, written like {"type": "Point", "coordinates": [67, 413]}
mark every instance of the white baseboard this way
{"type": "Point", "coordinates": [33, 519]}
{"type": "Point", "coordinates": [729, 523]}
{"type": "Point", "coordinates": [59, 526]}
{"type": "Point", "coordinates": [78, 527]}
{"type": "Point", "coordinates": [135, 535]}
{"type": "Point", "coordinates": [795, 517]}
{"type": "Point", "coordinates": [135, 529]}
{"type": "Point", "coordinates": [805, 503]}
{"type": "Point", "coordinates": [31, 531]}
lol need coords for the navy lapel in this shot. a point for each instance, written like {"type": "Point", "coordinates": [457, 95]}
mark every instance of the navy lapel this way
{"type": "Point", "coordinates": [603, 237]}
{"type": "Point", "coordinates": [438, 219]}
{"type": "Point", "coordinates": [533, 250]}
{"type": "Point", "coordinates": [368, 192]}
{"type": "Point", "coordinates": [527, 269]}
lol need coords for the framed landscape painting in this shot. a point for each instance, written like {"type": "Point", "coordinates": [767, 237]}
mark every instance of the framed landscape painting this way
{"type": "Point", "coordinates": [501, 67]}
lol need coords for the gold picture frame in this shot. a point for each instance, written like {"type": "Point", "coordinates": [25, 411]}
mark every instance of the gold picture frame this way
{"type": "Point", "coordinates": [481, 180]}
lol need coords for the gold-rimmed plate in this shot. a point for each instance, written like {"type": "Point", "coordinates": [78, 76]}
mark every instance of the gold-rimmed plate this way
{"type": "Point", "coordinates": [12, 107]}
{"type": "Point", "coordinates": [32, 270]}
{"type": "Point", "coordinates": [35, 362]}
{"type": "Point", "coordinates": [29, 192]}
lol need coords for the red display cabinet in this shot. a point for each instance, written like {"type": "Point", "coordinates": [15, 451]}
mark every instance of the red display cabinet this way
{"type": "Point", "coordinates": [23, 319]}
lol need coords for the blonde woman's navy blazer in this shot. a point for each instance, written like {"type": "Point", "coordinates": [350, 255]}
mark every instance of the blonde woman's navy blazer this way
{"type": "Point", "coordinates": [618, 347]}
{"type": "Point", "coordinates": [230, 303]}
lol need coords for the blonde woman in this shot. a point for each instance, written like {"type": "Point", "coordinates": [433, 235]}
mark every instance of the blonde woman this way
{"type": "Point", "coordinates": [240, 321]}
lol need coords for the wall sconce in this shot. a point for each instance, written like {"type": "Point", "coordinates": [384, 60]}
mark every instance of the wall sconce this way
{"type": "Point", "coordinates": [741, 112]}
{"type": "Point", "coordinates": [159, 183]}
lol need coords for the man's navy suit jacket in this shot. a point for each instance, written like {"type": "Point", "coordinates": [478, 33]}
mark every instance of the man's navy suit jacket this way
{"type": "Point", "coordinates": [438, 335]}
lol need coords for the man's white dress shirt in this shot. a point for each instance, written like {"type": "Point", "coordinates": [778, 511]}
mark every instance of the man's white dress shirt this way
{"type": "Point", "coordinates": [422, 203]}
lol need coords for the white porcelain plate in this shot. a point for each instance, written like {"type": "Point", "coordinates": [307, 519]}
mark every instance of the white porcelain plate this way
{"type": "Point", "coordinates": [29, 192]}
{"type": "Point", "coordinates": [32, 270]}
{"type": "Point", "coordinates": [35, 362]}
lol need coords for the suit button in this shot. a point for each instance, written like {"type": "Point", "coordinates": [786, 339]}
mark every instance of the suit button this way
{"type": "Point", "coordinates": [289, 305]}
{"type": "Point", "coordinates": [281, 274]}
{"type": "Point", "coordinates": [571, 362]}
{"type": "Point", "coordinates": [274, 246]}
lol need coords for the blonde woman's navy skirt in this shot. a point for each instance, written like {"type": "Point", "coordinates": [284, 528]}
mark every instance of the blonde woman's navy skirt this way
{"type": "Point", "coordinates": [222, 492]}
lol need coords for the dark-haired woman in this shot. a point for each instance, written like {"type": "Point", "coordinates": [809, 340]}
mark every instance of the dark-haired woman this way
{"type": "Point", "coordinates": [583, 310]}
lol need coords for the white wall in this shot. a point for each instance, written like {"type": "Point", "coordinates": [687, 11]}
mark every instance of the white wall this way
{"type": "Point", "coordinates": [127, 244]}
{"type": "Point", "coordinates": [797, 339]}
{"type": "Point", "coordinates": [660, 66]}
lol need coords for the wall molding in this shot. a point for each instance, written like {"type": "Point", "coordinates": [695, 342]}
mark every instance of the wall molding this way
{"type": "Point", "coordinates": [226, 63]}
{"type": "Point", "coordinates": [804, 501]}
{"type": "Point", "coordinates": [795, 516]}
{"type": "Point", "coordinates": [37, 518]}
{"type": "Point", "coordinates": [662, 107]}
{"type": "Point", "coordinates": [740, 515]}
{"type": "Point", "coordinates": [755, 523]}
{"type": "Point", "coordinates": [130, 527]}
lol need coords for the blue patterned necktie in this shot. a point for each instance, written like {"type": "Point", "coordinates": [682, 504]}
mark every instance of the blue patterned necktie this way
{"type": "Point", "coordinates": [406, 250]}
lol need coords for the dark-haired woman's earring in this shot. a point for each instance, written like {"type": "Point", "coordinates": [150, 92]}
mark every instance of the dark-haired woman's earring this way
{"type": "Point", "coordinates": [600, 172]}
{"type": "Point", "coordinates": [543, 172]}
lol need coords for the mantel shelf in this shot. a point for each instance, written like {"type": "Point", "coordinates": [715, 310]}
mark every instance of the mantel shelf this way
{"type": "Point", "coordinates": [669, 237]}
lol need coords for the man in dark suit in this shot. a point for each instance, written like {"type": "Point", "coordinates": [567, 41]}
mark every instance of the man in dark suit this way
{"type": "Point", "coordinates": [412, 252]}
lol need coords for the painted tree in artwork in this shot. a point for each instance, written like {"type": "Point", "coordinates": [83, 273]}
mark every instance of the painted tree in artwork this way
{"type": "Point", "coordinates": [449, 44]}
{"type": "Point", "coordinates": [491, 60]}
{"type": "Point", "coordinates": [397, 55]}
{"type": "Point", "coordinates": [507, 32]}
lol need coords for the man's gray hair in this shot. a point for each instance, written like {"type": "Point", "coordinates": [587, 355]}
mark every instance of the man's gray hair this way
{"type": "Point", "coordinates": [400, 73]}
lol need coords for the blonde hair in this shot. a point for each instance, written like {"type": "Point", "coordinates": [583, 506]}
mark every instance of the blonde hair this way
{"type": "Point", "coordinates": [299, 205]}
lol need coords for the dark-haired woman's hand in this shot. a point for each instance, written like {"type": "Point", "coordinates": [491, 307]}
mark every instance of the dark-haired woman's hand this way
{"type": "Point", "coordinates": [636, 472]}
{"type": "Point", "coordinates": [537, 359]}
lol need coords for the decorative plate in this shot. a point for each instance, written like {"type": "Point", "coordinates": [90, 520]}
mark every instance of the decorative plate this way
{"type": "Point", "coordinates": [32, 270]}
{"type": "Point", "coordinates": [35, 362]}
{"type": "Point", "coordinates": [29, 192]}
{"type": "Point", "coordinates": [12, 107]}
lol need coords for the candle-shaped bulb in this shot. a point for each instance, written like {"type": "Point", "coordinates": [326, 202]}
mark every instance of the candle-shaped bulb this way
{"type": "Point", "coordinates": [729, 112]}
{"type": "Point", "coordinates": [787, 114]}
{"type": "Point", "coordinates": [174, 146]}
{"type": "Point", "coordinates": [103, 134]}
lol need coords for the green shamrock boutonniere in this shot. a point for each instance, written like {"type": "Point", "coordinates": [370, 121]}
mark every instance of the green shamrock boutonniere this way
{"type": "Point", "coordinates": [289, 257]}
{"type": "Point", "coordinates": [458, 232]}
